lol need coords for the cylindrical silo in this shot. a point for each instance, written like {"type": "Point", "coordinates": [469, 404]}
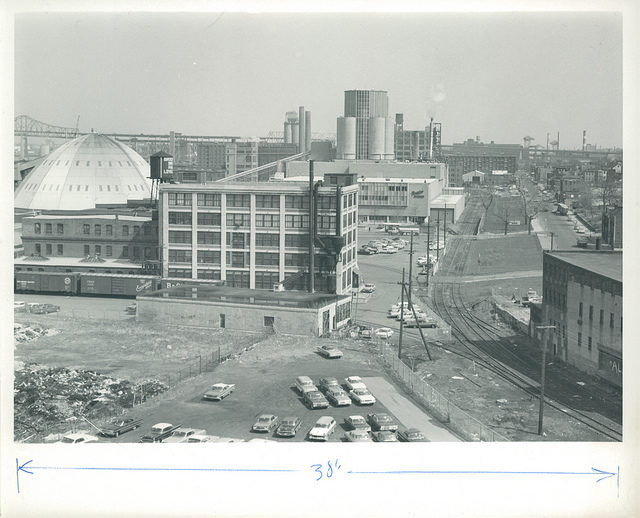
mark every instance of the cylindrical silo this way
{"type": "Point", "coordinates": [376, 138]}
{"type": "Point", "coordinates": [346, 138]}
{"type": "Point", "coordinates": [389, 135]}
{"type": "Point", "coordinates": [307, 130]}
{"type": "Point", "coordinates": [287, 132]}
{"type": "Point", "coordinates": [301, 137]}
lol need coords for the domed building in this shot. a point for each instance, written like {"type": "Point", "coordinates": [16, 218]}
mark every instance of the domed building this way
{"type": "Point", "coordinates": [84, 173]}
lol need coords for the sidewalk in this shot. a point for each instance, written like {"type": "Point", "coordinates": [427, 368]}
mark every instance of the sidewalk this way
{"type": "Point", "coordinates": [541, 233]}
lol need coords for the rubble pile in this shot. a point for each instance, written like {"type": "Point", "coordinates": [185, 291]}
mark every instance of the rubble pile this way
{"type": "Point", "coordinates": [45, 398]}
{"type": "Point", "coordinates": [26, 333]}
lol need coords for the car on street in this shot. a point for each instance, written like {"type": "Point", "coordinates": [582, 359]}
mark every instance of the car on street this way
{"type": "Point", "coordinates": [289, 426]}
{"type": "Point", "coordinates": [305, 384]}
{"type": "Point", "coordinates": [118, 426]}
{"type": "Point", "coordinates": [219, 391]}
{"type": "Point", "coordinates": [315, 399]}
{"type": "Point", "coordinates": [182, 434]}
{"type": "Point", "coordinates": [352, 382]}
{"type": "Point", "coordinates": [327, 382]}
{"type": "Point", "coordinates": [330, 351]}
{"type": "Point", "coordinates": [388, 249]}
{"type": "Point", "coordinates": [384, 436]}
{"type": "Point", "coordinates": [159, 432]}
{"type": "Point", "coordinates": [323, 428]}
{"type": "Point", "coordinates": [423, 322]}
{"type": "Point", "coordinates": [365, 333]}
{"type": "Point", "coordinates": [368, 288]}
{"type": "Point", "coordinates": [411, 435]}
{"type": "Point", "coordinates": [78, 438]}
{"type": "Point", "coordinates": [393, 312]}
{"type": "Point", "coordinates": [265, 423]}
{"type": "Point", "coordinates": [365, 250]}
{"type": "Point", "coordinates": [337, 396]}
{"type": "Point", "coordinates": [381, 421]}
{"type": "Point", "coordinates": [362, 396]}
{"type": "Point", "coordinates": [196, 438]}
{"type": "Point", "coordinates": [384, 332]}
{"type": "Point", "coordinates": [357, 422]}
{"type": "Point", "coordinates": [357, 436]}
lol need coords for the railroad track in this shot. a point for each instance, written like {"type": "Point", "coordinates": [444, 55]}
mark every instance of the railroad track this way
{"type": "Point", "coordinates": [482, 342]}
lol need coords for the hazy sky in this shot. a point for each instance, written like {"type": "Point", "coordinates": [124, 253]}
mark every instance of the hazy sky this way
{"type": "Point", "coordinates": [497, 76]}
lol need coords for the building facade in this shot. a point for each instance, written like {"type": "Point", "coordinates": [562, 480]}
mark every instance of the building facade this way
{"type": "Point", "coordinates": [582, 299]}
{"type": "Point", "coordinates": [256, 235]}
{"type": "Point", "coordinates": [412, 145]}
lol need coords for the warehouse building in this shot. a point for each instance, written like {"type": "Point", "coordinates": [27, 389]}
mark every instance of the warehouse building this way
{"type": "Point", "coordinates": [582, 299]}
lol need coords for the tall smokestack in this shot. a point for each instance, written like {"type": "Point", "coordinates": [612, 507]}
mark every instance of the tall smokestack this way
{"type": "Point", "coordinates": [558, 142]}
{"type": "Point", "coordinates": [301, 137]}
{"type": "Point", "coordinates": [584, 140]}
{"type": "Point", "coordinates": [307, 131]}
{"type": "Point", "coordinates": [431, 138]}
{"type": "Point", "coordinates": [547, 141]}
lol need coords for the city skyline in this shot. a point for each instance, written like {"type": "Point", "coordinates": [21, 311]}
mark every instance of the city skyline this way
{"type": "Point", "coordinates": [513, 74]}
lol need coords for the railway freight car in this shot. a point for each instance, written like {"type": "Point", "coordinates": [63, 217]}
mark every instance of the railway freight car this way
{"type": "Point", "coordinates": [47, 282]}
{"type": "Point", "coordinates": [169, 282]}
{"type": "Point", "coordinates": [116, 285]}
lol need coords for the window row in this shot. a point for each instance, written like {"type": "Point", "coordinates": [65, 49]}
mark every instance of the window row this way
{"type": "Point", "coordinates": [108, 230]}
{"type": "Point", "coordinates": [601, 316]}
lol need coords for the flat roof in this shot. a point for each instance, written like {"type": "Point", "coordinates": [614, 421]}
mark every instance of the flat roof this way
{"type": "Point", "coordinates": [74, 262]}
{"type": "Point", "coordinates": [287, 186]}
{"type": "Point", "coordinates": [299, 299]}
{"type": "Point", "coordinates": [91, 216]}
{"type": "Point", "coordinates": [603, 262]}
{"type": "Point", "coordinates": [445, 198]}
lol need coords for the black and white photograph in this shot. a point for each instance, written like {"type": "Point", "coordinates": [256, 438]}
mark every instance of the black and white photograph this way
{"type": "Point", "coordinates": [254, 229]}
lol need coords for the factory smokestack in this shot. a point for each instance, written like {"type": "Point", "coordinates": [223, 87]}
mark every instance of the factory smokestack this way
{"type": "Point", "coordinates": [558, 142]}
{"type": "Point", "coordinates": [584, 140]}
{"type": "Point", "coordinates": [547, 141]}
{"type": "Point", "coordinates": [431, 138]}
{"type": "Point", "coordinates": [307, 131]}
{"type": "Point", "coordinates": [301, 127]}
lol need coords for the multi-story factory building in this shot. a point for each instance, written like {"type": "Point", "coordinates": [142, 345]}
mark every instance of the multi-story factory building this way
{"type": "Point", "coordinates": [257, 235]}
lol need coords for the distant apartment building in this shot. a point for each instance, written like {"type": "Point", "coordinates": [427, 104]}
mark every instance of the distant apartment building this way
{"type": "Point", "coordinates": [227, 157]}
{"type": "Point", "coordinates": [582, 299]}
{"type": "Point", "coordinates": [257, 235]}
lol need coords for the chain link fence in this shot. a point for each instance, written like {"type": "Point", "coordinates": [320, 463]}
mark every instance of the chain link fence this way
{"type": "Point", "coordinates": [466, 426]}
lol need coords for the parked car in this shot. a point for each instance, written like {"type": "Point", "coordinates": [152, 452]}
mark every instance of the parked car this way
{"type": "Point", "coordinates": [365, 333]}
{"type": "Point", "coordinates": [381, 421]}
{"type": "Point", "coordinates": [131, 309]}
{"type": "Point", "coordinates": [384, 332]}
{"type": "Point", "coordinates": [365, 250]}
{"type": "Point", "coordinates": [265, 423]}
{"type": "Point", "coordinates": [315, 399]}
{"type": "Point", "coordinates": [352, 382]}
{"type": "Point", "coordinates": [326, 383]}
{"type": "Point", "coordinates": [323, 428]}
{"type": "Point", "coordinates": [423, 261]}
{"type": "Point", "coordinates": [182, 434]}
{"type": "Point", "coordinates": [357, 422]}
{"type": "Point", "coordinates": [159, 432]}
{"type": "Point", "coordinates": [329, 351]}
{"type": "Point", "coordinates": [289, 426]}
{"type": "Point", "coordinates": [305, 384]}
{"type": "Point", "coordinates": [423, 322]}
{"type": "Point", "coordinates": [219, 391]}
{"type": "Point", "coordinates": [384, 436]}
{"type": "Point", "coordinates": [196, 438]}
{"type": "Point", "coordinates": [362, 396]}
{"type": "Point", "coordinates": [119, 426]}
{"type": "Point", "coordinates": [19, 305]}
{"type": "Point", "coordinates": [357, 436]}
{"type": "Point", "coordinates": [388, 250]}
{"type": "Point", "coordinates": [368, 288]}
{"type": "Point", "coordinates": [78, 438]}
{"type": "Point", "coordinates": [411, 435]}
{"type": "Point", "coordinates": [337, 396]}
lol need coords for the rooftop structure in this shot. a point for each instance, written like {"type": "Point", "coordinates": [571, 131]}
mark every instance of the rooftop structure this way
{"type": "Point", "coordinates": [605, 263]}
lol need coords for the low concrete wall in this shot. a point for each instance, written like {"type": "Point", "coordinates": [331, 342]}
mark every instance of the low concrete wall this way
{"type": "Point", "coordinates": [510, 319]}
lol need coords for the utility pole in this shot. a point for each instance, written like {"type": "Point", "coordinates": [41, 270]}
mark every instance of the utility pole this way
{"type": "Point", "coordinates": [438, 238]}
{"type": "Point", "coordinates": [428, 247]}
{"type": "Point", "coordinates": [542, 375]}
{"type": "Point", "coordinates": [445, 225]}
{"type": "Point", "coordinates": [410, 268]}
{"type": "Point", "coordinates": [401, 315]}
{"type": "Point", "coordinates": [552, 241]}
{"type": "Point", "coordinates": [424, 342]}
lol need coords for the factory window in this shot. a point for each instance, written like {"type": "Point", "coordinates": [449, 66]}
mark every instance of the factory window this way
{"type": "Point", "coordinates": [178, 198]}
{"type": "Point", "coordinates": [98, 230]}
{"type": "Point", "coordinates": [125, 251]}
{"type": "Point", "coordinates": [327, 203]}
{"type": "Point", "coordinates": [136, 229]}
{"type": "Point", "coordinates": [77, 163]}
{"type": "Point", "coordinates": [181, 273]}
{"type": "Point", "coordinates": [294, 221]}
{"type": "Point", "coordinates": [147, 252]}
{"type": "Point", "coordinates": [579, 339]}
{"type": "Point", "coordinates": [208, 257]}
{"type": "Point", "coordinates": [296, 202]}
{"type": "Point", "coordinates": [209, 274]}
{"type": "Point", "coordinates": [98, 250]}
{"type": "Point", "coordinates": [237, 240]}
{"type": "Point", "coordinates": [344, 202]}
{"type": "Point", "coordinates": [264, 201]}
{"type": "Point", "coordinates": [48, 249]}
{"type": "Point", "coordinates": [125, 229]}
{"type": "Point", "coordinates": [268, 321]}
{"type": "Point", "coordinates": [267, 240]}
{"type": "Point", "coordinates": [296, 240]}
{"type": "Point", "coordinates": [136, 252]}
{"type": "Point", "coordinates": [109, 230]}
{"type": "Point", "coordinates": [86, 229]}
{"type": "Point", "coordinates": [344, 220]}
{"type": "Point", "coordinates": [237, 279]}
{"type": "Point", "coordinates": [589, 344]}
{"type": "Point", "coordinates": [178, 236]}
{"type": "Point", "coordinates": [209, 238]}
{"type": "Point", "coordinates": [36, 228]}
{"type": "Point", "coordinates": [86, 188]}
{"type": "Point", "coordinates": [238, 259]}
{"type": "Point", "coordinates": [178, 256]}
{"type": "Point", "coordinates": [590, 312]}
{"type": "Point", "coordinates": [146, 230]}
{"type": "Point", "coordinates": [602, 317]}
{"type": "Point", "coordinates": [208, 200]}
{"type": "Point", "coordinates": [267, 259]}
{"type": "Point", "coordinates": [296, 259]}
{"type": "Point", "coordinates": [238, 220]}
{"type": "Point", "coordinates": [580, 310]}
{"type": "Point", "coordinates": [267, 220]}
{"type": "Point", "coordinates": [223, 320]}
{"type": "Point", "coordinates": [88, 163]}
{"type": "Point", "coordinates": [327, 222]}
{"type": "Point", "coordinates": [266, 280]}
{"type": "Point", "coordinates": [48, 228]}
{"type": "Point", "coordinates": [208, 219]}
{"type": "Point", "coordinates": [238, 200]}
{"type": "Point", "coordinates": [611, 320]}
{"type": "Point", "coordinates": [87, 250]}
{"type": "Point", "coordinates": [60, 228]}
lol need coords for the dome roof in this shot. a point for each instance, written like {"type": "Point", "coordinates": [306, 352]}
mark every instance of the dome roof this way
{"type": "Point", "coordinates": [89, 170]}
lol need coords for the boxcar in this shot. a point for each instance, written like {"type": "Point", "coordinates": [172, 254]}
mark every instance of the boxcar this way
{"type": "Point", "coordinates": [46, 282]}
{"type": "Point", "coordinates": [173, 282]}
{"type": "Point", "coordinates": [117, 285]}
